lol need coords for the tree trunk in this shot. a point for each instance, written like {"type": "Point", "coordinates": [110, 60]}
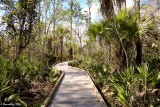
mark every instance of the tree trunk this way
{"type": "Point", "coordinates": [125, 5]}
{"type": "Point", "coordinates": [137, 6]}
{"type": "Point", "coordinates": [123, 61]}
{"type": "Point", "coordinates": [108, 49]}
{"type": "Point", "coordinates": [89, 8]}
{"type": "Point", "coordinates": [0, 46]}
{"type": "Point", "coordinates": [71, 49]}
{"type": "Point", "coordinates": [110, 52]}
{"type": "Point", "coordinates": [81, 46]}
{"type": "Point", "coordinates": [71, 53]}
{"type": "Point", "coordinates": [139, 52]}
{"type": "Point", "coordinates": [61, 48]}
{"type": "Point", "coordinates": [138, 42]}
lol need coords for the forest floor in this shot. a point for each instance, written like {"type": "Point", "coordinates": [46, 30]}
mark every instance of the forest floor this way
{"type": "Point", "coordinates": [75, 90]}
{"type": "Point", "coordinates": [38, 91]}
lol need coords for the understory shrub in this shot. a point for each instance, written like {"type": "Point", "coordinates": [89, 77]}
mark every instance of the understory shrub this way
{"type": "Point", "coordinates": [14, 83]}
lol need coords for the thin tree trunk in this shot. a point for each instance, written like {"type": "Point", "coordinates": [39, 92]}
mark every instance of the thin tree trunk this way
{"type": "Point", "coordinates": [61, 48]}
{"type": "Point", "coordinates": [125, 5]}
{"type": "Point", "coordinates": [0, 46]}
{"type": "Point", "coordinates": [90, 4]}
{"type": "Point", "coordinates": [110, 52]}
{"type": "Point", "coordinates": [71, 50]}
{"type": "Point", "coordinates": [54, 28]}
{"type": "Point", "coordinates": [137, 6]}
{"type": "Point", "coordinates": [81, 46]}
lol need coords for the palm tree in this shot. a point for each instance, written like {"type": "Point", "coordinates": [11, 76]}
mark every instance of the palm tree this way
{"type": "Point", "coordinates": [61, 32]}
{"type": "Point", "coordinates": [98, 30]}
{"type": "Point", "coordinates": [120, 30]}
{"type": "Point", "coordinates": [107, 9]}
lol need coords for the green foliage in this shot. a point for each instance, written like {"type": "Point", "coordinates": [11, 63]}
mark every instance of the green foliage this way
{"type": "Point", "coordinates": [154, 62]}
{"type": "Point", "coordinates": [38, 103]}
{"type": "Point", "coordinates": [120, 31]}
{"type": "Point", "coordinates": [131, 87]}
{"type": "Point", "coordinates": [122, 26]}
{"type": "Point", "coordinates": [6, 89]}
{"type": "Point", "coordinates": [26, 71]}
{"type": "Point", "coordinates": [75, 63]}
{"type": "Point", "coordinates": [4, 79]}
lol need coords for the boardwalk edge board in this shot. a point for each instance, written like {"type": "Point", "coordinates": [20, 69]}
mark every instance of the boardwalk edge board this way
{"type": "Point", "coordinates": [100, 98]}
{"type": "Point", "coordinates": [53, 90]}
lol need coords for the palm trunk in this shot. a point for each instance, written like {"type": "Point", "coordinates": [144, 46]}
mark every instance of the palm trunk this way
{"type": "Point", "coordinates": [108, 48]}
{"type": "Point", "coordinates": [139, 52]}
{"type": "Point", "coordinates": [123, 57]}
{"type": "Point", "coordinates": [138, 42]}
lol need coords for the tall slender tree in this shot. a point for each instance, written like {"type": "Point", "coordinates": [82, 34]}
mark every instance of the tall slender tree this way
{"type": "Point", "coordinates": [71, 13]}
{"type": "Point", "coordinates": [89, 2]}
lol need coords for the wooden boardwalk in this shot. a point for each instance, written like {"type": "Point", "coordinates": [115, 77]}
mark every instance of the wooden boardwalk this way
{"type": "Point", "coordinates": [76, 90]}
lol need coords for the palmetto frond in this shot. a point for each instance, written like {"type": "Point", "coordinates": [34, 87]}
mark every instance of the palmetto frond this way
{"type": "Point", "coordinates": [62, 30]}
{"type": "Point", "coordinates": [127, 20]}
{"type": "Point", "coordinates": [123, 25]}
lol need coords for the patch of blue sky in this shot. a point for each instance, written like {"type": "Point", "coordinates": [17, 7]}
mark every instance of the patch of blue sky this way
{"type": "Point", "coordinates": [144, 2]}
